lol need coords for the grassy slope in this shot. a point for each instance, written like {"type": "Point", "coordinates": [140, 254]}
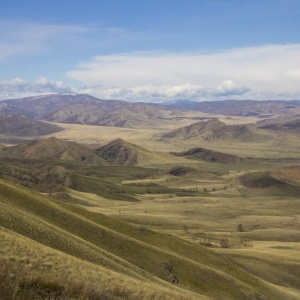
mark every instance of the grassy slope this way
{"type": "Point", "coordinates": [126, 249]}
{"type": "Point", "coordinates": [30, 270]}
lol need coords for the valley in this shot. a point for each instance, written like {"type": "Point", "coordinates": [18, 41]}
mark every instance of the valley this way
{"type": "Point", "coordinates": [175, 204]}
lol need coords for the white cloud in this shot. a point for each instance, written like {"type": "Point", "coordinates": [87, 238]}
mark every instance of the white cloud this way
{"type": "Point", "coordinates": [259, 72]}
{"type": "Point", "coordinates": [228, 88]}
{"type": "Point", "coordinates": [157, 93]}
{"type": "Point", "coordinates": [18, 87]}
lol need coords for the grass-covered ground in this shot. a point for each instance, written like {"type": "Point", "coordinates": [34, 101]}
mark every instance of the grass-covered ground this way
{"type": "Point", "coordinates": [47, 241]}
{"type": "Point", "coordinates": [166, 229]}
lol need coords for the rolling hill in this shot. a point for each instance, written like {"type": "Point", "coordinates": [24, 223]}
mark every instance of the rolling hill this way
{"type": "Point", "coordinates": [286, 123]}
{"type": "Point", "coordinates": [213, 130]}
{"type": "Point", "coordinates": [120, 152]}
{"type": "Point", "coordinates": [54, 249]}
{"type": "Point", "coordinates": [116, 152]}
{"type": "Point", "coordinates": [283, 181]}
{"type": "Point", "coordinates": [53, 149]}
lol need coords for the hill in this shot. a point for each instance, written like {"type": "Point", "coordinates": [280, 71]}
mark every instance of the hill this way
{"type": "Point", "coordinates": [53, 149]}
{"type": "Point", "coordinates": [238, 107]}
{"type": "Point", "coordinates": [277, 182]}
{"type": "Point", "coordinates": [213, 130]}
{"type": "Point", "coordinates": [209, 155]}
{"type": "Point", "coordinates": [282, 123]}
{"type": "Point", "coordinates": [120, 152]}
{"type": "Point", "coordinates": [289, 174]}
{"type": "Point", "coordinates": [16, 125]}
{"type": "Point", "coordinates": [54, 249]}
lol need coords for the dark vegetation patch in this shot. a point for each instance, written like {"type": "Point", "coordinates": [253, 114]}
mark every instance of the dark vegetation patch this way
{"type": "Point", "coordinates": [209, 155]}
{"type": "Point", "coordinates": [282, 247]}
{"type": "Point", "coordinates": [260, 180]}
{"type": "Point", "coordinates": [180, 171]}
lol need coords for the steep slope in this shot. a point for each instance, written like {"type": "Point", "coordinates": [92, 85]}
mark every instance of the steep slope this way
{"type": "Point", "coordinates": [17, 125]}
{"type": "Point", "coordinates": [52, 148]}
{"type": "Point", "coordinates": [56, 275]}
{"type": "Point", "coordinates": [213, 130]}
{"type": "Point", "coordinates": [209, 155]}
{"type": "Point", "coordinates": [134, 252]}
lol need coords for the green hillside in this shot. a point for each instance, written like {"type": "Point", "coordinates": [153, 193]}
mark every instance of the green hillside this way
{"type": "Point", "coordinates": [169, 268]}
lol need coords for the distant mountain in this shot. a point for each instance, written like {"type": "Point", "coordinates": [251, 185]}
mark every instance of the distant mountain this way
{"type": "Point", "coordinates": [209, 155]}
{"type": "Point", "coordinates": [213, 130]}
{"type": "Point", "coordinates": [85, 109]}
{"type": "Point", "coordinates": [23, 126]}
{"type": "Point", "coordinates": [53, 149]}
{"type": "Point", "coordinates": [238, 107]}
{"type": "Point", "coordinates": [180, 104]}
{"type": "Point", "coordinates": [39, 106]}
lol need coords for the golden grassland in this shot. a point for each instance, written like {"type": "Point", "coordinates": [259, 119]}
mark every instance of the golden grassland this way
{"type": "Point", "coordinates": [269, 145]}
{"type": "Point", "coordinates": [268, 244]}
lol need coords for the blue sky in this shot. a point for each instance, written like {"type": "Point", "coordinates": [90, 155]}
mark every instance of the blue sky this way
{"type": "Point", "coordinates": [151, 50]}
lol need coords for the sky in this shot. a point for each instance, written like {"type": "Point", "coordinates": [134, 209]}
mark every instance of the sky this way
{"type": "Point", "coordinates": [151, 50]}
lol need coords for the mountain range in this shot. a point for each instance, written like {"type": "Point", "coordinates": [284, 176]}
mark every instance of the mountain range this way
{"type": "Point", "coordinates": [85, 109]}
{"type": "Point", "coordinates": [238, 107]}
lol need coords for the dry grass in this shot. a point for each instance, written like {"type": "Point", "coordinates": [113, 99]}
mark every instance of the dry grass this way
{"type": "Point", "coordinates": [32, 271]}
{"type": "Point", "coordinates": [269, 245]}
{"type": "Point", "coordinates": [135, 253]}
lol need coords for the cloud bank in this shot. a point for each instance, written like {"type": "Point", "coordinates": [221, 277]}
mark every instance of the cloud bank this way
{"type": "Point", "coordinates": [158, 93]}
{"type": "Point", "coordinates": [18, 87]}
{"type": "Point", "coordinates": [262, 72]}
